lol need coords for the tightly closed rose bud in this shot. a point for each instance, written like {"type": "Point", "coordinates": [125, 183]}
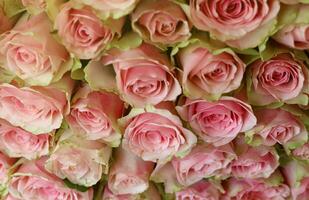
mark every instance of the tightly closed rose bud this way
{"type": "Point", "coordinates": [94, 115]}
{"type": "Point", "coordinates": [143, 75]}
{"type": "Point", "coordinates": [80, 161]}
{"type": "Point", "coordinates": [17, 142]}
{"type": "Point", "coordinates": [282, 78]}
{"type": "Point", "coordinates": [30, 51]}
{"type": "Point", "coordinates": [161, 22]}
{"type": "Point", "coordinates": [34, 6]}
{"type": "Point", "coordinates": [129, 174]}
{"type": "Point", "coordinates": [155, 134]}
{"type": "Point", "coordinates": [205, 74]}
{"type": "Point", "coordinates": [82, 32]}
{"type": "Point", "coordinates": [5, 164]}
{"type": "Point", "coordinates": [33, 182]}
{"type": "Point", "coordinates": [302, 152]}
{"type": "Point", "coordinates": [217, 122]}
{"type": "Point", "coordinates": [241, 24]}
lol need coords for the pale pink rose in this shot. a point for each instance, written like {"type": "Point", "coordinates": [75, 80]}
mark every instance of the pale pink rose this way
{"type": "Point", "coordinates": [155, 134]}
{"type": "Point", "coordinates": [205, 74]}
{"type": "Point", "coordinates": [279, 126]}
{"type": "Point", "coordinates": [31, 52]}
{"type": "Point", "coordinates": [33, 182]}
{"type": "Point", "coordinates": [217, 122]}
{"type": "Point", "coordinates": [302, 152]}
{"type": "Point", "coordinates": [129, 174]}
{"type": "Point", "coordinates": [143, 75]}
{"type": "Point", "coordinates": [161, 22]}
{"type": "Point", "coordinates": [241, 24]}
{"type": "Point", "coordinates": [201, 190]}
{"type": "Point", "coordinates": [17, 142]}
{"type": "Point", "coordinates": [203, 161]}
{"type": "Point", "coordinates": [5, 165]}
{"type": "Point", "coordinates": [94, 115]}
{"type": "Point", "coordinates": [36, 109]}
{"type": "Point", "coordinates": [10, 197]}
{"type": "Point", "coordinates": [34, 6]}
{"type": "Point", "coordinates": [80, 161]}
{"type": "Point", "coordinates": [82, 32]}
{"type": "Point", "coordinates": [282, 78]}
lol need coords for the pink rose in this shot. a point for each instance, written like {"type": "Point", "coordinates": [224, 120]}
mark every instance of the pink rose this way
{"type": "Point", "coordinates": [5, 164]}
{"type": "Point", "coordinates": [36, 109]}
{"type": "Point", "coordinates": [34, 6]}
{"type": "Point", "coordinates": [155, 134]}
{"type": "Point", "coordinates": [144, 75]}
{"type": "Point", "coordinates": [80, 161]}
{"type": "Point", "coordinates": [10, 197]}
{"type": "Point", "coordinates": [201, 190]}
{"type": "Point", "coordinates": [129, 174]}
{"type": "Point", "coordinates": [241, 24]}
{"type": "Point", "coordinates": [217, 122]}
{"type": "Point", "coordinates": [30, 51]}
{"type": "Point", "coordinates": [94, 115]}
{"type": "Point", "coordinates": [205, 74]}
{"type": "Point", "coordinates": [282, 78]}
{"type": "Point", "coordinates": [82, 32]}
{"type": "Point", "coordinates": [17, 142]}
{"type": "Point", "coordinates": [161, 22]}
{"type": "Point", "coordinates": [203, 161]}
{"type": "Point", "coordinates": [33, 182]}
{"type": "Point", "coordinates": [302, 152]}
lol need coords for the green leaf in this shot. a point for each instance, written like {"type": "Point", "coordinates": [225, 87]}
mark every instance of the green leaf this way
{"type": "Point", "coordinates": [12, 7]}
{"type": "Point", "coordinates": [71, 185]}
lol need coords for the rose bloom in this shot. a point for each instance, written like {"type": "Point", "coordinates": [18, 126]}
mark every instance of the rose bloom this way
{"type": "Point", "coordinates": [30, 51]}
{"type": "Point", "coordinates": [82, 32]}
{"type": "Point", "coordinates": [205, 74]}
{"type": "Point", "coordinates": [241, 24]}
{"type": "Point", "coordinates": [36, 109]}
{"type": "Point", "coordinates": [143, 75]}
{"type": "Point", "coordinates": [279, 126]}
{"type": "Point", "coordinates": [34, 6]}
{"type": "Point", "coordinates": [17, 142]}
{"type": "Point", "coordinates": [5, 164]}
{"type": "Point", "coordinates": [161, 22]}
{"type": "Point", "coordinates": [217, 122]}
{"type": "Point", "coordinates": [129, 174]}
{"type": "Point", "coordinates": [80, 161]}
{"type": "Point", "coordinates": [282, 78]}
{"type": "Point", "coordinates": [111, 8]}
{"type": "Point", "coordinates": [199, 191]}
{"type": "Point", "coordinates": [94, 115]}
{"type": "Point", "coordinates": [33, 182]}
{"type": "Point", "coordinates": [202, 162]}
{"type": "Point", "coordinates": [155, 134]}
{"type": "Point", "coordinates": [302, 152]}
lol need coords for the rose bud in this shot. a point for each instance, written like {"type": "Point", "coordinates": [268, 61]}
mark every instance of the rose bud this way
{"type": "Point", "coordinates": [80, 161]}
{"type": "Point", "coordinates": [217, 122]}
{"type": "Point", "coordinates": [16, 142]}
{"type": "Point", "coordinates": [161, 22]}
{"type": "Point", "coordinates": [30, 52]}
{"type": "Point", "coordinates": [302, 152]}
{"type": "Point", "coordinates": [240, 24]}
{"type": "Point", "coordinates": [32, 181]}
{"type": "Point", "coordinates": [129, 174]}
{"type": "Point", "coordinates": [34, 6]}
{"type": "Point", "coordinates": [94, 115]}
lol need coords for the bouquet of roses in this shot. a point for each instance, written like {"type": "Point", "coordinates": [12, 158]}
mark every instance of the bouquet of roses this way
{"type": "Point", "coordinates": [154, 99]}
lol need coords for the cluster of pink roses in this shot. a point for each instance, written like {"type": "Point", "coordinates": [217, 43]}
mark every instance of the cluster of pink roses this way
{"type": "Point", "coordinates": [154, 99]}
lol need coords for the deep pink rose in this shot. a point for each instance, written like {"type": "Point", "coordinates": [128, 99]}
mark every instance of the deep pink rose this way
{"type": "Point", "coordinates": [217, 122]}
{"type": "Point", "coordinates": [17, 142]}
{"type": "Point", "coordinates": [144, 75]}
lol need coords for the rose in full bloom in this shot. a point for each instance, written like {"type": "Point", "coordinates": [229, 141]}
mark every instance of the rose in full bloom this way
{"type": "Point", "coordinates": [278, 126]}
{"type": "Point", "coordinates": [199, 191]}
{"type": "Point", "coordinates": [217, 122]}
{"type": "Point", "coordinates": [155, 134]}
{"type": "Point", "coordinates": [205, 74]}
{"type": "Point", "coordinates": [35, 109]}
{"type": "Point", "coordinates": [143, 75]}
{"type": "Point", "coordinates": [30, 51]}
{"type": "Point", "coordinates": [94, 115]}
{"type": "Point", "coordinates": [282, 78]}
{"type": "Point", "coordinates": [5, 164]}
{"type": "Point", "coordinates": [33, 182]}
{"type": "Point", "coordinates": [111, 8]}
{"type": "Point", "coordinates": [17, 142]}
{"type": "Point", "coordinates": [302, 152]}
{"type": "Point", "coordinates": [241, 24]}
{"type": "Point", "coordinates": [80, 161]}
{"type": "Point", "coordinates": [129, 174]}
{"type": "Point", "coordinates": [34, 6]}
{"type": "Point", "coordinates": [82, 32]}
{"type": "Point", "coordinates": [161, 22]}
